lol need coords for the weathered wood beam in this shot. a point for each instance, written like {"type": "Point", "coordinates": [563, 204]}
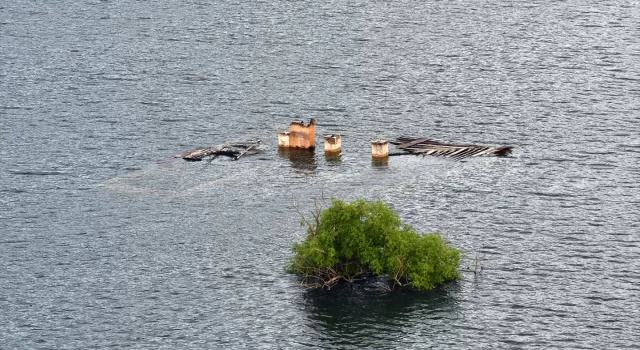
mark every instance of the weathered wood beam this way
{"type": "Point", "coordinates": [412, 143]}
{"type": "Point", "coordinates": [425, 146]}
{"type": "Point", "coordinates": [234, 151]}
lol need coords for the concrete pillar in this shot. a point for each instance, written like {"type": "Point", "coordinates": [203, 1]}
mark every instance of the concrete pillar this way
{"type": "Point", "coordinates": [302, 136]}
{"type": "Point", "coordinates": [283, 139]}
{"type": "Point", "coordinates": [380, 149]}
{"type": "Point", "coordinates": [332, 144]}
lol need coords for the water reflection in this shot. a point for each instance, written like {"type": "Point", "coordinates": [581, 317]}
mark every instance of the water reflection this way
{"type": "Point", "coordinates": [360, 318]}
{"type": "Point", "coordinates": [380, 162]}
{"type": "Point", "coordinates": [333, 158]}
{"type": "Point", "coordinates": [301, 159]}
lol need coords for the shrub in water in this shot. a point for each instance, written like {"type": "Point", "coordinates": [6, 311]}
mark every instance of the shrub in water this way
{"type": "Point", "coordinates": [349, 241]}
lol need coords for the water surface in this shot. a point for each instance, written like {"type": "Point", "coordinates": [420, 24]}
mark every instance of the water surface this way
{"type": "Point", "coordinates": [106, 240]}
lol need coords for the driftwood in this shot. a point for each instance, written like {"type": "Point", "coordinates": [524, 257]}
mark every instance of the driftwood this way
{"type": "Point", "coordinates": [235, 151]}
{"type": "Point", "coordinates": [424, 146]}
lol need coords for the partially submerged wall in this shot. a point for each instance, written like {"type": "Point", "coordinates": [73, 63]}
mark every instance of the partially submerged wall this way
{"type": "Point", "coordinates": [302, 136]}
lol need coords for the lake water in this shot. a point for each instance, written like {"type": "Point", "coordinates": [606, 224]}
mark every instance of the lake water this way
{"type": "Point", "coordinates": [108, 241]}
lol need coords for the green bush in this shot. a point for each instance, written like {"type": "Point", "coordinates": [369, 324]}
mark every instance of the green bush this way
{"type": "Point", "coordinates": [349, 241]}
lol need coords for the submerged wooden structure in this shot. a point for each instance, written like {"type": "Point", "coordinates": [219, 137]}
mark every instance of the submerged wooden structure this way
{"type": "Point", "coordinates": [233, 150]}
{"type": "Point", "coordinates": [425, 146]}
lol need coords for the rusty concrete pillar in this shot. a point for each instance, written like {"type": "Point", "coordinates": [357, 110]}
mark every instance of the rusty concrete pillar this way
{"type": "Point", "coordinates": [380, 149]}
{"type": "Point", "coordinates": [302, 136]}
{"type": "Point", "coordinates": [283, 139]}
{"type": "Point", "coordinates": [332, 144]}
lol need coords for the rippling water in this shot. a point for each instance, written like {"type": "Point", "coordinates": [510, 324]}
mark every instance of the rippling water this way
{"type": "Point", "coordinates": [106, 240]}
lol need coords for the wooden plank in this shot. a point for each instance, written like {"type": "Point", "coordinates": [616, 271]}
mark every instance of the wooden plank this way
{"type": "Point", "coordinates": [466, 153]}
{"type": "Point", "coordinates": [459, 151]}
{"type": "Point", "coordinates": [412, 143]}
{"type": "Point", "coordinates": [246, 150]}
{"type": "Point", "coordinates": [483, 152]}
{"type": "Point", "coordinates": [425, 146]}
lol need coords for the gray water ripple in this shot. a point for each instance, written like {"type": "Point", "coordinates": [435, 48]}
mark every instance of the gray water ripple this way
{"type": "Point", "coordinates": [117, 250]}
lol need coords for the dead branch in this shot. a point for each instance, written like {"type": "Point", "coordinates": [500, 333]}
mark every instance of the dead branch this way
{"type": "Point", "coordinates": [313, 229]}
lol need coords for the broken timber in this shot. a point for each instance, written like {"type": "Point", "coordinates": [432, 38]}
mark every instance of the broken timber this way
{"type": "Point", "coordinates": [424, 146]}
{"type": "Point", "coordinates": [234, 151]}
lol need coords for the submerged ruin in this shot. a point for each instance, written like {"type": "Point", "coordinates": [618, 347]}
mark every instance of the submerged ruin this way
{"type": "Point", "coordinates": [302, 137]}
{"type": "Point", "coordinates": [425, 146]}
{"type": "Point", "coordinates": [233, 150]}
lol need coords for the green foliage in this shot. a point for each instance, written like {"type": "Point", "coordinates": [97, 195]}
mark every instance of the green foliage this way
{"type": "Point", "coordinates": [348, 241]}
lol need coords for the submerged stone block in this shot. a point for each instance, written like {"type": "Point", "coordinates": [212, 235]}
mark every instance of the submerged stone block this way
{"type": "Point", "coordinates": [380, 149]}
{"type": "Point", "coordinates": [302, 136]}
{"type": "Point", "coordinates": [283, 139]}
{"type": "Point", "coordinates": [332, 144]}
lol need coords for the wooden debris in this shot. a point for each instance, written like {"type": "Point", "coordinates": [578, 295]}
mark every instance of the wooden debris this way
{"type": "Point", "coordinates": [234, 151]}
{"type": "Point", "coordinates": [424, 146]}
{"type": "Point", "coordinates": [246, 150]}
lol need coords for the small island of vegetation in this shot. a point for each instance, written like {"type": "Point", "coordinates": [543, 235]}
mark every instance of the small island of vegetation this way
{"type": "Point", "coordinates": [348, 242]}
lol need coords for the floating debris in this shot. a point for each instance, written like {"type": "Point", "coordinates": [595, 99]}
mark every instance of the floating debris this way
{"type": "Point", "coordinates": [424, 146]}
{"type": "Point", "coordinates": [235, 151]}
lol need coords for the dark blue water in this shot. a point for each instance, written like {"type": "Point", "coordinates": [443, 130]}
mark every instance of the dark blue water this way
{"type": "Point", "coordinates": [108, 241]}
